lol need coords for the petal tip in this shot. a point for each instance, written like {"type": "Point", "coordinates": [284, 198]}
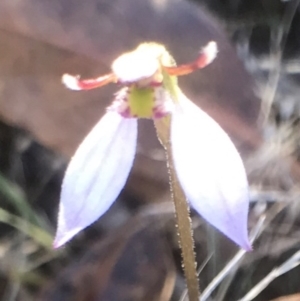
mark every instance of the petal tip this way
{"type": "Point", "coordinates": [62, 237]}
{"type": "Point", "coordinates": [71, 82]}
{"type": "Point", "coordinates": [246, 245]}
{"type": "Point", "coordinates": [59, 241]}
{"type": "Point", "coordinates": [56, 244]}
{"type": "Point", "coordinates": [210, 50]}
{"type": "Point", "coordinates": [248, 248]}
{"type": "Point", "coordinates": [238, 234]}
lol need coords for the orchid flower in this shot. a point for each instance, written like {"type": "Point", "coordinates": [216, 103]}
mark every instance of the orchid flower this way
{"type": "Point", "coordinates": [208, 166]}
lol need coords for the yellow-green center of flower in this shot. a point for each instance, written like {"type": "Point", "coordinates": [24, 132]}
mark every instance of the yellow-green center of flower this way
{"type": "Point", "coordinates": [141, 102]}
{"type": "Point", "coordinates": [146, 93]}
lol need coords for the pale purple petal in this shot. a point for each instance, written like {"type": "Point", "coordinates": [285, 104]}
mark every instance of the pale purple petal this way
{"type": "Point", "coordinates": [96, 174]}
{"type": "Point", "coordinates": [210, 171]}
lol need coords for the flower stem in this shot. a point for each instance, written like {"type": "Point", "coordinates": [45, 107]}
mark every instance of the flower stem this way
{"type": "Point", "coordinates": [185, 232]}
{"type": "Point", "coordinates": [182, 212]}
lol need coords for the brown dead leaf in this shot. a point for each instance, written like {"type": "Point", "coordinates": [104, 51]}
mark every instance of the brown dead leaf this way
{"type": "Point", "coordinates": [295, 297]}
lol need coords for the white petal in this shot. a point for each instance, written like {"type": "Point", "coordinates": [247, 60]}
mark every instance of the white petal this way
{"type": "Point", "coordinates": [136, 65]}
{"type": "Point", "coordinates": [96, 174]}
{"type": "Point", "coordinates": [71, 82]}
{"type": "Point", "coordinates": [210, 171]}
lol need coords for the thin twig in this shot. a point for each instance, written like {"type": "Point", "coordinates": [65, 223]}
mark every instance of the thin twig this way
{"type": "Point", "coordinates": [233, 263]}
{"type": "Point", "coordinates": [288, 265]}
{"type": "Point", "coordinates": [278, 41]}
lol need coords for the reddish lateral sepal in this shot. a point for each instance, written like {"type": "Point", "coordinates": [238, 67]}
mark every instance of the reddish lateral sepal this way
{"type": "Point", "coordinates": [207, 55]}
{"type": "Point", "coordinates": [75, 83]}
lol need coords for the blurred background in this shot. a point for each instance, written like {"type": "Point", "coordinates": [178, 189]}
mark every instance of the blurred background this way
{"type": "Point", "coordinates": [132, 254]}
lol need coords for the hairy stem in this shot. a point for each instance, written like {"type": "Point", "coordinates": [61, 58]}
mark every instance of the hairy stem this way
{"type": "Point", "coordinates": [182, 212]}
{"type": "Point", "coordinates": [185, 232]}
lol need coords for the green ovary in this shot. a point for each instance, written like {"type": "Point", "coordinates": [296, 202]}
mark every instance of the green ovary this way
{"type": "Point", "coordinates": [141, 102]}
